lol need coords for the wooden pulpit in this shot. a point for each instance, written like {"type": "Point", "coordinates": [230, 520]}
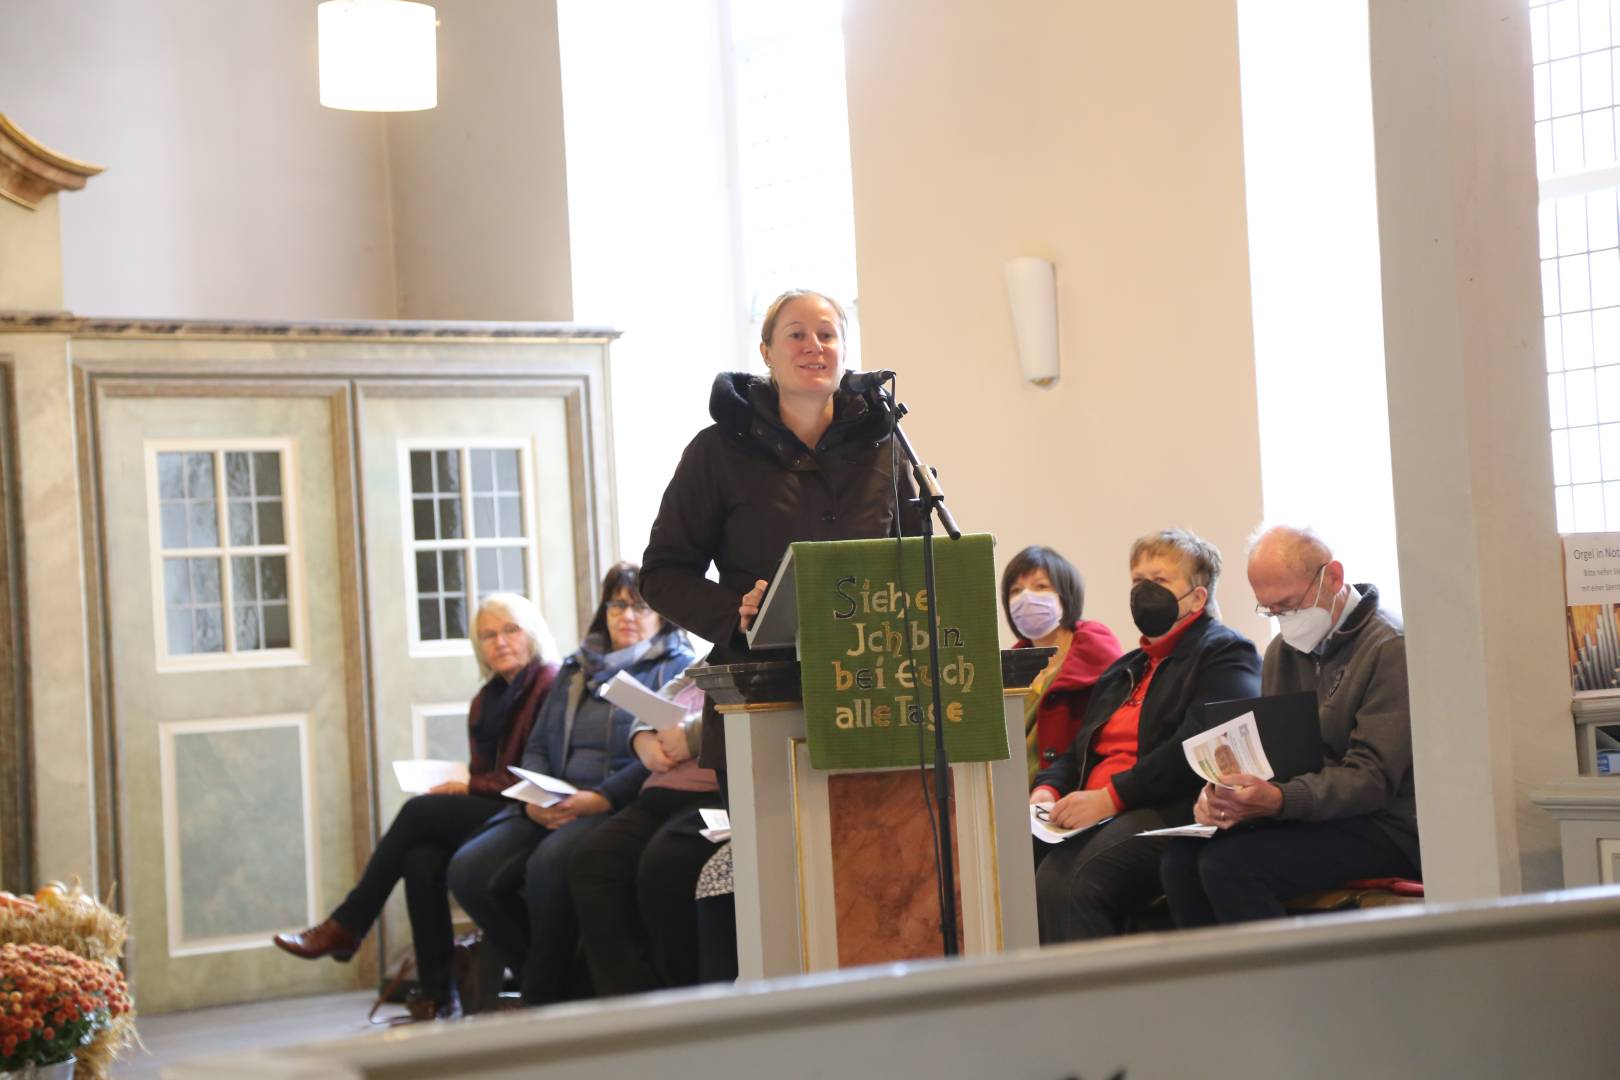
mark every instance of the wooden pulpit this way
{"type": "Point", "coordinates": [835, 868]}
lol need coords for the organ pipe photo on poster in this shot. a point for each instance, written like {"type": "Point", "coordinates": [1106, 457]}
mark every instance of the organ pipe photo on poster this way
{"type": "Point", "coordinates": [1592, 593]}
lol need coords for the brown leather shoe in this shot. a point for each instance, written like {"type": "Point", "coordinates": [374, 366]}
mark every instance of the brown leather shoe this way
{"type": "Point", "coordinates": [327, 939]}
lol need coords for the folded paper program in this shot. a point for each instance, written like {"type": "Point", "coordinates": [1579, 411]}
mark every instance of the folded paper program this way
{"type": "Point", "coordinates": [417, 777]}
{"type": "Point", "coordinates": [538, 788]}
{"type": "Point", "coordinates": [657, 710]}
{"type": "Point", "coordinates": [716, 825]}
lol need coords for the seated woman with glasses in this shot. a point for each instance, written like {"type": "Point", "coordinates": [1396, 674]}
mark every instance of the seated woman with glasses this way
{"type": "Point", "coordinates": [518, 660]}
{"type": "Point", "coordinates": [512, 877]}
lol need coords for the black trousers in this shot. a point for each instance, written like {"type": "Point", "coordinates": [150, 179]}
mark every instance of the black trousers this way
{"type": "Point", "coordinates": [1247, 873]}
{"type": "Point", "coordinates": [717, 938]}
{"type": "Point", "coordinates": [633, 881]}
{"type": "Point", "coordinates": [512, 879]}
{"type": "Point", "coordinates": [417, 847]}
{"type": "Point", "coordinates": [1090, 885]}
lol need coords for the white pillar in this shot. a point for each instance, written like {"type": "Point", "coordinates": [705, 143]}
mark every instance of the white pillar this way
{"type": "Point", "coordinates": [1478, 548]}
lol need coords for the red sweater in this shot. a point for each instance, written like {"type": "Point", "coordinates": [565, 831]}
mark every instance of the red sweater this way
{"type": "Point", "coordinates": [1116, 741]}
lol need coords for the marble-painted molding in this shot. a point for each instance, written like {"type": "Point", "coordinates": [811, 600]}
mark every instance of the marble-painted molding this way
{"type": "Point", "coordinates": [29, 171]}
{"type": "Point", "coordinates": [62, 322]}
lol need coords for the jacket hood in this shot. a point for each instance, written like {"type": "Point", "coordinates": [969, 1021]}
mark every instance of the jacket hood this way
{"type": "Point", "coordinates": [1360, 616]}
{"type": "Point", "coordinates": [729, 399]}
{"type": "Point", "coordinates": [1093, 648]}
{"type": "Point", "coordinates": [745, 406]}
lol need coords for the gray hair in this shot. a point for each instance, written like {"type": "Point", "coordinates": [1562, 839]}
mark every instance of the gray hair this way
{"type": "Point", "coordinates": [1200, 558]}
{"type": "Point", "coordinates": [521, 610]}
{"type": "Point", "coordinates": [1302, 548]}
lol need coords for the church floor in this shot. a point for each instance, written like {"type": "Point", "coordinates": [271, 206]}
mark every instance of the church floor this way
{"type": "Point", "coordinates": [227, 1029]}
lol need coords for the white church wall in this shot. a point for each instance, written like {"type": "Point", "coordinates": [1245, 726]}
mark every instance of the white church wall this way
{"type": "Point", "coordinates": [478, 185]}
{"type": "Point", "coordinates": [229, 191]}
{"type": "Point", "coordinates": [1108, 139]}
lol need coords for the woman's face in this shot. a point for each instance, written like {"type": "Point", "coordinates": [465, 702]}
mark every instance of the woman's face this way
{"type": "Point", "coordinates": [503, 644]}
{"type": "Point", "coordinates": [630, 620]}
{"type": "Point", "coordinates": [806, 349]}
{"type": "Point", "coordinates": [1034, 581]}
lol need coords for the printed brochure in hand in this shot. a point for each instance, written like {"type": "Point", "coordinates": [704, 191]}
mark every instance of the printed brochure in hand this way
{"type": "Point", "coordinates": [1232, 747]}
{"type": "Point", "coordinates": [538, 788]}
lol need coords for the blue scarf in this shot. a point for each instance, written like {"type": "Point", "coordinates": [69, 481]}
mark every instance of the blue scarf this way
{"type": "Point", "coordinates": [599, 665]}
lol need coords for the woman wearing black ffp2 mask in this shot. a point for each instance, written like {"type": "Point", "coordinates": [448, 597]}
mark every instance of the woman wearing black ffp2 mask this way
{"type": "Point", "coordinates": [1155, 609]}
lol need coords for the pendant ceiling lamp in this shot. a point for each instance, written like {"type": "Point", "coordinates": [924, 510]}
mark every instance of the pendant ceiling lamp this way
{"type": "Point", "coordinates": [377, 55]}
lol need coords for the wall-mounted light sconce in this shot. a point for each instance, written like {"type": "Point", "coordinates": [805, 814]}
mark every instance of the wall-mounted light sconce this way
{"type": "Point", "coordinates": [377, 55]}
{"type": "Point", "coordinates": [1032, 296]}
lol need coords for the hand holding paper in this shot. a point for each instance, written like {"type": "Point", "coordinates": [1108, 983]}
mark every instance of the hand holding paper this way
{"type": "Point", "coordinates": [417, 777]}
{"type": "Point", "coordinates": [1044, 828]}
{"type": "Point", "coordinates": [538, 789]}
{"type": "Point", "coordinates": [1082, 809]}
{"type": "Point", "coordinates": [1227, 749]}
{"type": "Point", "coordinates": [1241, 798]}
{"type": "Point", "coordinates": [655, 710]}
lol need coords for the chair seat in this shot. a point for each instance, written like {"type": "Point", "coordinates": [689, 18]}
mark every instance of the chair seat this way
{"type": "Point", "coordinates": [1353, 895]}
{"type": "Point", "coordinates": [1398, 886]}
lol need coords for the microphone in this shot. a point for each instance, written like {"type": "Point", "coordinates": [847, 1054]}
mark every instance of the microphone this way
{"type": "Point", "coordinates": [865, 382]}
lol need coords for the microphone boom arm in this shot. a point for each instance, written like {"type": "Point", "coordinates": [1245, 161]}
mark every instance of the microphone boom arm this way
{"type": "Point", "coordinates": [927, 483]}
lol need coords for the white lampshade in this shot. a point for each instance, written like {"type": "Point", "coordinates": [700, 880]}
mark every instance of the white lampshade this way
{"type": "Point", "coordinates": [1032, 296]}
{"type": "Point", "coordinates": [378, 55]}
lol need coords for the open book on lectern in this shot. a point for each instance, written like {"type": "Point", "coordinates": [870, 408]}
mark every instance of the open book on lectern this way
{"type": "Point", "coordinates": [777, 624]}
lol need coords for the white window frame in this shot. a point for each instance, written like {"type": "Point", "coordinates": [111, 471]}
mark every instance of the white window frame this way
{"type": "Point", "coordinates": [294, 655]}
{"type": "Point", "coordinates": [755, 286]}
{"type": "Point", "coordinates": [421, 714]}
{"type": "Point", "coordinates": [174, 901]}
{"type": "Point", "coordinates": [1551, 187]}
{"type": "Point", "coordinates": [528, 515]}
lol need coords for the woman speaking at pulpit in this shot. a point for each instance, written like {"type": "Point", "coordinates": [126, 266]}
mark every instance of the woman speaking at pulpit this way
{"type": "Point", "coordinates": [794, 455]}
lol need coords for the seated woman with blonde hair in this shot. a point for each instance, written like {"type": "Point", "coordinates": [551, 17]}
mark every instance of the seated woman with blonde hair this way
{"type": "Point", "coordinates": [517, 657]}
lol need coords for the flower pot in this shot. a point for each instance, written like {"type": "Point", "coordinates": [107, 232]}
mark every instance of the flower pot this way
{"type": "Point", "coordinates": [62, 1070]}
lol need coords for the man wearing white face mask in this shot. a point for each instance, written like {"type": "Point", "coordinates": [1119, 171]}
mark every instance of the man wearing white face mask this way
{"type": "Point", "coordinates": [1357, 817]}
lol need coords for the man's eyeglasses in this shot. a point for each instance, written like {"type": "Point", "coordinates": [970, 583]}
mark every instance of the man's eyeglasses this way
{"type": "Point", "coordinates": [1277, 612]}
{"type": "Point", "coordinates": [618, 607]}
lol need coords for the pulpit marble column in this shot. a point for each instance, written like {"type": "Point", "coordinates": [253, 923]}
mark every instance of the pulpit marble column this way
{"type": "Point", "coordinates": [835, 869]}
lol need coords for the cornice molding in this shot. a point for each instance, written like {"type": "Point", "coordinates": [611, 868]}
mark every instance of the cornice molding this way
{"type": "Point", "coordinates": [29, 171]}
{"type": "Point", "coordinates": [62, 322]}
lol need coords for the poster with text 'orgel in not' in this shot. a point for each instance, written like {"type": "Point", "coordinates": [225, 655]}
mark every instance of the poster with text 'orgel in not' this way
{"type": "Point", "coordinates": [1591, 593]}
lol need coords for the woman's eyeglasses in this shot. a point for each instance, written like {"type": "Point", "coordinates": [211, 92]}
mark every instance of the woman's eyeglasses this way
{"type": "Point", "coordinates": [618, 607]}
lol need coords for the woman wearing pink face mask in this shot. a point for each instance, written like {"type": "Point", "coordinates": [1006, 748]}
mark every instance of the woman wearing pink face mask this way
{"type": "Point", "coordinates": [1042, 596]}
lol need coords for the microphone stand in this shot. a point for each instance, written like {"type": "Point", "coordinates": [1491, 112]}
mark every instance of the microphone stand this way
{"type": "Point", "coordinates": [931, 501]}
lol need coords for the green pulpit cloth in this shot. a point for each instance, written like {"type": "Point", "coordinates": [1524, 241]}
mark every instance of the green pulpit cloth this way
{"type": "Point", "coordinates": [863, 652]}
